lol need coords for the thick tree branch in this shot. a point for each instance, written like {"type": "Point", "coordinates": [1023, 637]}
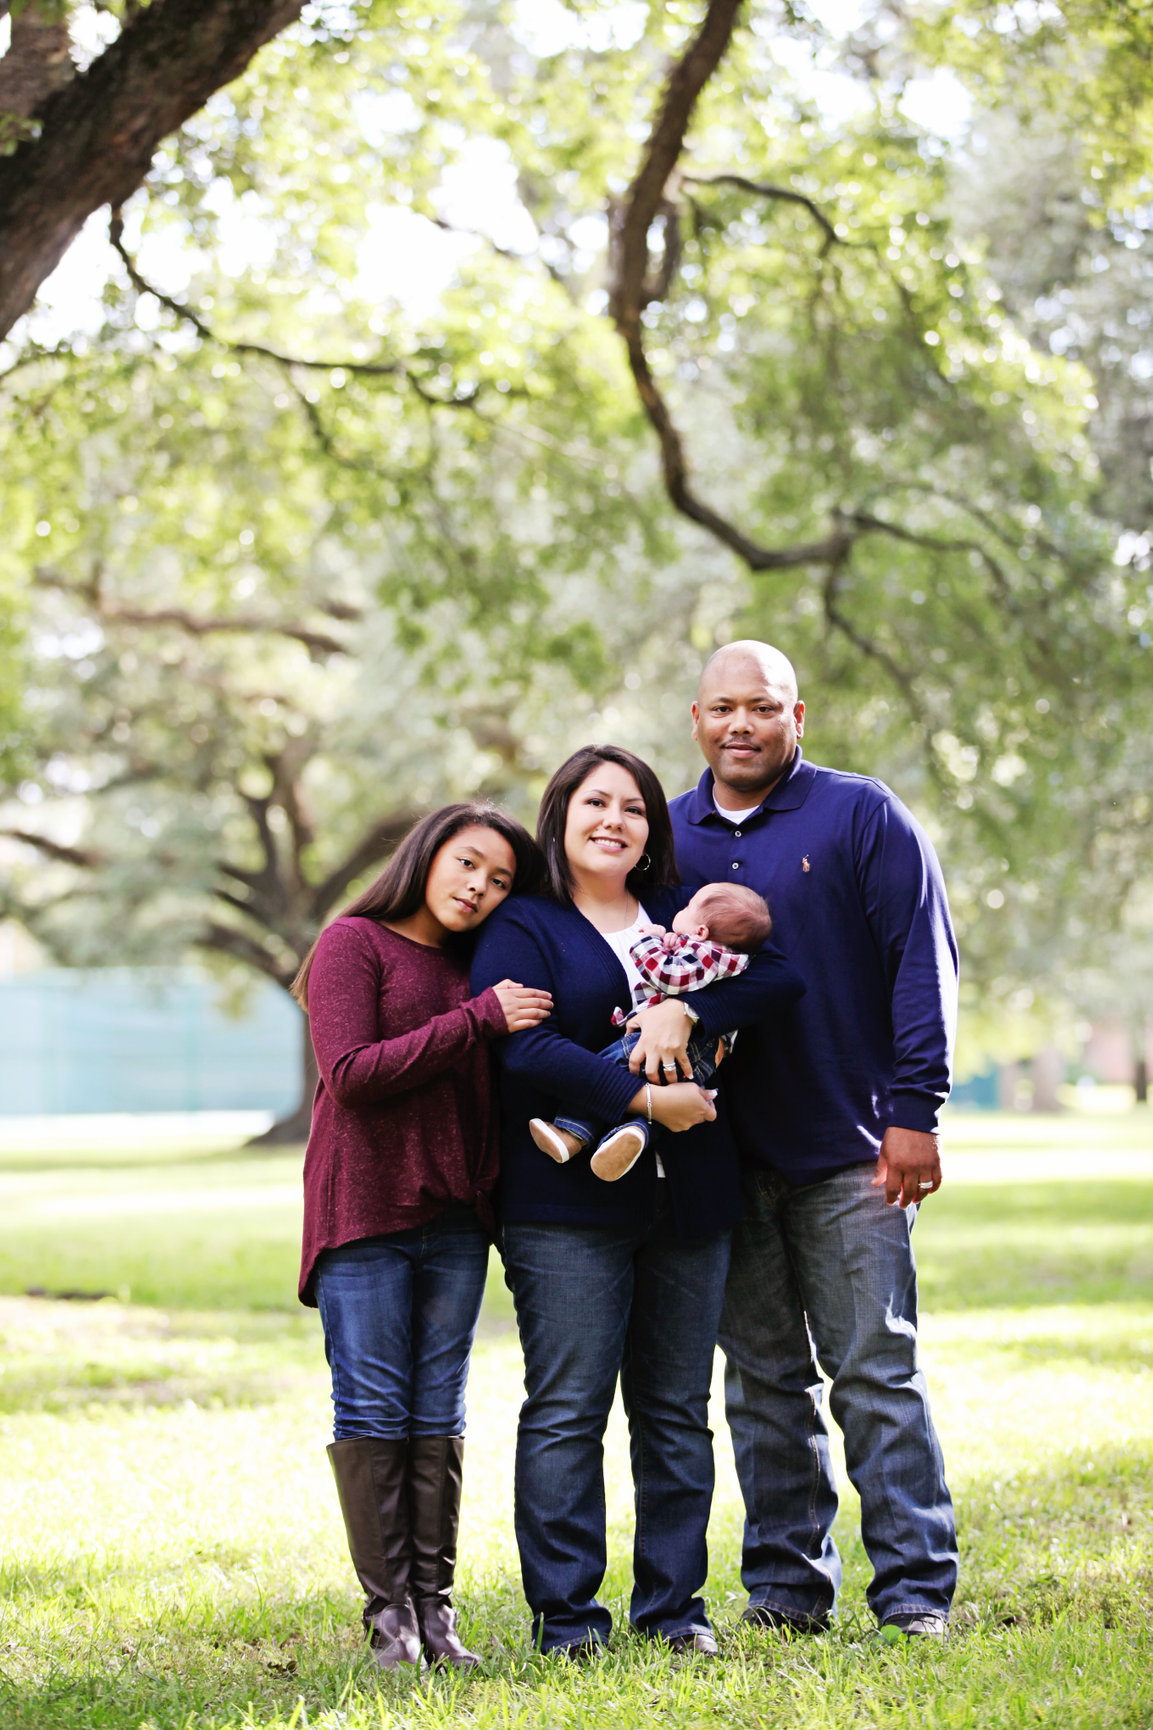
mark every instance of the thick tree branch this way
{"type": "Point", "coordinates": [38, 63]}
{"type": "Point", "coordinates": [373, 847]}
{"type": "Point", "coordinates": [764, 189]}
{"type": "Point", "coordinates": [633, 287]}
{"type": "Point", "coordinates": [675, 468]}
{"type": "Point", "coordinates": [668, 223]}
{"type": "Point", "coordinates": [238, 903]}
{"type": "Point", "coordinates": [634, 216]}
{"type": "Point", "coordinates": [286, 769]}
{"type": "Point", "coordinates": [80, 856]}
{"type": "Point", "coordinates": [279, 895]}
{"type": "Point", "coordinates": [111, 612]}
{"type": "Point", "coordinates": [225, 940]}
{"type": "Point", "coordinates": [99, 134]}
{"type": "Point", "coordinates": [265, 881]}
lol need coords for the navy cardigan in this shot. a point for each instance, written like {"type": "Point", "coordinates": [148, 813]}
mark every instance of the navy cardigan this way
{"type": "Point", "coordinates": [544, 1069]}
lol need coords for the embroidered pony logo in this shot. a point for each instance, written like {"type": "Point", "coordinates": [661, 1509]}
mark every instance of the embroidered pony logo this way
{"type": "Point", "coordinates": [805, 866]}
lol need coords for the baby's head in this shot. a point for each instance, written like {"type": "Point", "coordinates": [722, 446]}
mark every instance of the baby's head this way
{"type": "Point", "coordinates": [726, 913]}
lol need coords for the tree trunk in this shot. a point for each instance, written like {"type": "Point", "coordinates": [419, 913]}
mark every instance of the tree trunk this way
{"type": "Point", "coordinates": [294, 1128]}
{"type": "Point", "coordinates": [1048, 1072]}
{"type": "Point", "coordinates": [1141, 1081]}
{"type": "Point", "coordinates": [100, 132]}
{"type": "Point", "coordinates": [37, 64]}
{"type": "Point", "coordinates": [1008, 1076]}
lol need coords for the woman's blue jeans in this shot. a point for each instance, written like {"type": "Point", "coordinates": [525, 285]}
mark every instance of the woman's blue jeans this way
{"type": "Point", "coordinates": [399, 1314]}
{"type": "Point", "coordinates": [593, 1303]}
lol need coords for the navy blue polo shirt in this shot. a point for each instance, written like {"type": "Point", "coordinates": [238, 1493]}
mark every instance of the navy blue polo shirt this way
{"type": "Point", "coordinates": [859, 907]}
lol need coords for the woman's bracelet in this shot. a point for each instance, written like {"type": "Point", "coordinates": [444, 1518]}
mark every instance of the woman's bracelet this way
{"type": "Point", "coordinates": [648, 1102]}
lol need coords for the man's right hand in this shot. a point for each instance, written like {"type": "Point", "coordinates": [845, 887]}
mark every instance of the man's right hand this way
{"type": "Point", "coordinates": [908, 1165]}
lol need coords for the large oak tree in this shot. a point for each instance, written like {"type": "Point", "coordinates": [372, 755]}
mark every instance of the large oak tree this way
{"type": "Point", "coordinates": [718, 298]}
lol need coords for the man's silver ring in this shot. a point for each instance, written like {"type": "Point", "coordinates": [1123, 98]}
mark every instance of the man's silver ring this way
{"type": "Point", "coordinates": [668, 1065]}
{"type": "Point", "coordinates": [925, 1183]}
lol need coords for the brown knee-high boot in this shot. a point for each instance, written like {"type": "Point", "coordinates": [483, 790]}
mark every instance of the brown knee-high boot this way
{"type": "Point", "coordinates": [434, 1480]}
{"type": "Point", "coordinates": [371, 1482]}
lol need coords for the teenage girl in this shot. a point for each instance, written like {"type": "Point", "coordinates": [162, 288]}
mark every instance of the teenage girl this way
{"type": "Point", "coordinates": [401, 1161]}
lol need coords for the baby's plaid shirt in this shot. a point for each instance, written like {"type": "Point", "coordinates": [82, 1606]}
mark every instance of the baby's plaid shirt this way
{"type": "Point", "coordinates": [693, 964]}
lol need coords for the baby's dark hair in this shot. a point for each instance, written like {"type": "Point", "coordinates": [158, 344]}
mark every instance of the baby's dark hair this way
{"type": "Point", "coordinates": [738, 918]}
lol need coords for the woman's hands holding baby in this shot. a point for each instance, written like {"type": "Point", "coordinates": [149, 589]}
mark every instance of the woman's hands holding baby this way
{"type": "Point", "coordinates": [522, 1005]}
{"type": "Point", "coordinates": [679, 1106]}
{"type": "Point", "coordinates": [661, 1052]}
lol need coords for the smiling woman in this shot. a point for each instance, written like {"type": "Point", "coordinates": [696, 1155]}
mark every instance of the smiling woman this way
{"type": "Point", "coordinates": [397, 1176]}
{"type": "Point", "coordinates": [605, 833]}
{"type": "Point", "coordinates": [622, 1279]}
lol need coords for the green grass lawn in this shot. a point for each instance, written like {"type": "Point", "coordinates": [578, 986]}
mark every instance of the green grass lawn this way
{"type": "Point", "coordinates": [172, 1554]}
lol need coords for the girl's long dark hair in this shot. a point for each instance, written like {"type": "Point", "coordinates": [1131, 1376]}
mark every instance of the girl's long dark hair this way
{"type": "Point", "coordinates": [660, 873]}
{"type": "Point", "coordinates": [398, 892]}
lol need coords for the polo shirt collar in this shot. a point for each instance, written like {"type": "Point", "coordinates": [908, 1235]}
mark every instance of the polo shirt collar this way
{"type": "Point", "coordinates": [789, 794]}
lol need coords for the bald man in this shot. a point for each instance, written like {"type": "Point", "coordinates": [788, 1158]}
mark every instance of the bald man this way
{"type": "Point", "coordinates": [835, 1111]}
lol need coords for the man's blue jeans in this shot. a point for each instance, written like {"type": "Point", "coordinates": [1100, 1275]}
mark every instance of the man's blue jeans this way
{"type": "Point", "coordinates": [399, 1314]}
{"type": "Point", "coordinates": [835, 1253]}
{"type": "Point", "coordinates": [593, 1302]}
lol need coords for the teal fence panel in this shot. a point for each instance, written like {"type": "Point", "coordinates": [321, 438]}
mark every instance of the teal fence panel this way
{"type": "Point", "coordinates": [142, 1039]}
{"type": "Point", "coordinates": [979, 1093]}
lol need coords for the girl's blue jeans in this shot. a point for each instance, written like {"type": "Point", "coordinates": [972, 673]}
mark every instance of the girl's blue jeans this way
{"type": "Point", "coordinates": [399, 1314]}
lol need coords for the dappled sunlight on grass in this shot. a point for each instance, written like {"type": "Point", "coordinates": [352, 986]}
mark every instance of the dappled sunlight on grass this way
{"type": "Point", "coordinates": [85, 1356]}
{"type": "Point", "coordinates": [208, 1564]}
{"type": "Point", "coordinates": [1093, 1133]}
{"type": "Point", "coordinates": [174, 1557]}
{"type": "Point", "coordinates": [980, 1246]}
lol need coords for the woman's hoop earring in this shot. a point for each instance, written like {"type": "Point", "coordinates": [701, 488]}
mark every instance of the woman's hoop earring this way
{"type": "Point", "coordinates": [644, 863]}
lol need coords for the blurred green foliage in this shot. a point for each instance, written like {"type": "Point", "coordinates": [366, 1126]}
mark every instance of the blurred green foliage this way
{"type": "Point", "coordinates": [288, 552]}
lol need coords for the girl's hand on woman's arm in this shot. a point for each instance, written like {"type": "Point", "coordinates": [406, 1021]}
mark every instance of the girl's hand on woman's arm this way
{"type": "Point", "coordinates": [681, 1105]}
{"type": "Point", "coordinates": [522, 1005]}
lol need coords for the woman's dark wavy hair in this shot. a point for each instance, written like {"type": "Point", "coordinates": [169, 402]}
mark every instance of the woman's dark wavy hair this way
{"type": "Point", "coordinates": [398, 892]}
{"type": "Point", "coordinates": [660, 873]}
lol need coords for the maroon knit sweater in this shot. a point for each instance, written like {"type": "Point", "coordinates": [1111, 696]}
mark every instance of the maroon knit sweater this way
{"type": "Point", "coordinates": [403, 1121]}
